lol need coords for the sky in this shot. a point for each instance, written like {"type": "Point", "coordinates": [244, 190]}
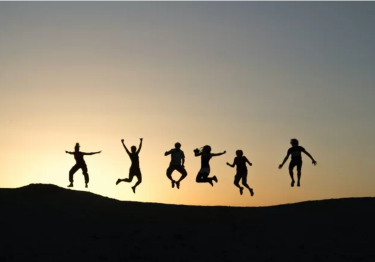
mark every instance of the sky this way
{"type": "Point", "coordinates": [242, 75]}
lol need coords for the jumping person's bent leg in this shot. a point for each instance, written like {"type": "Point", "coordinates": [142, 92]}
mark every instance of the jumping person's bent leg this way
{"type": "Point", "coordinates": [203, 178]}
{"type": "Point", "coordinates": [139, 177]}
{"type": "Point", "coordinates": [237, 179]}
{"type": "Point", "coordinates": [85, 174]}
{"type": "Point", "coordinates": [244, 183]}
{"type": "Point", "coordinates": [132, 173]}
{"type": "Point", "coordinates": [169, 174]}
{"type": "Point", "coordinates": [71, 173]}
{"type": "Point", "coordinates": [183, 173]}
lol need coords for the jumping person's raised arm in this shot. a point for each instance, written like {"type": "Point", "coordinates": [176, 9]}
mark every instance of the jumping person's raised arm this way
{"type": "Point", "coordinates": [126, 149]}
{"type": "Point", "coordinates": [140, 146]}
{"type": "Point", "coordinates": [234, 161]}
{"type": "Point", "coordinates": [285, 159]}
{"type": "Point", "coordinates": [308, 154]}
{"type": "Point", "coordinates": [247, 160]}
{"type": "Point", "coordinates": [218, 154]}
{"type": "Point", "coordinates": [89, 154]}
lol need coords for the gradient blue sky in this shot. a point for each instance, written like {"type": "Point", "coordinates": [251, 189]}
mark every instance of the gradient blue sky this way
{"type": "Point", "coordinates": [247, 75]}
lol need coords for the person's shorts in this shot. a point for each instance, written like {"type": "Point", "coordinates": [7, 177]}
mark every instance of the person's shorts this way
{"type": "Point", "coordinates": [134, 171]}
{"type": "Point", "coordinates": [294, 163]}
{"type": "Point", "coordinates": [205, 170]}
{"type": "Point", "coordinates": [241, 174]}
{"type": "Point", "coordinates": [179, 168]}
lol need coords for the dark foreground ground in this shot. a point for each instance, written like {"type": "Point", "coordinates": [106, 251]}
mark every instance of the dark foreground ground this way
{"type": "Point", "coordinates": [48, 223]}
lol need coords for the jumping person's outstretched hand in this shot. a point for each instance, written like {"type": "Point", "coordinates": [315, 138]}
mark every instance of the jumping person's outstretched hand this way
{"type": "Point", "coordinates": [122, 140]}
{"type": "Point", "coordinates": [314, 162]}
{"type": "Point", "coordinates": [251, 164]}
{"type": "Point", "coordinates": [99, 152]}
{"type": "Point", "coordinates": [141, 139]}
{"type": "Point", "coordinates": [66, 152]}
{"type": "Point", "coordinates": [228, 164]}
{"type": "Point", "coordinates": [224, 152]}
{"type": "Point", "coordinates": [280, 166]}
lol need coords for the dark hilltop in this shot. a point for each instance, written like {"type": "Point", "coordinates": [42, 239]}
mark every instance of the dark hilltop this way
{"type": "Point", "coordinates": [47, 223]}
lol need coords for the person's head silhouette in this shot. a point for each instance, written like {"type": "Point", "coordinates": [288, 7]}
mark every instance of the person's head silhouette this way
{"type": "Point", "coordinates": [76, 148]}
{"type": "Point", "coordinates": [294, 142]}
{"type": "Point", "coordinates": [133, 149]}
{"type": "Point", "coordinates": [207, 149]}
{"type": "Point", "coordinates": [239, 153]}
{"type": "Point", "coordinates": [177, 146]}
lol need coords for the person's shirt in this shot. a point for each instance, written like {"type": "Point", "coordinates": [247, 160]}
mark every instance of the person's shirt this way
{"type": "Point", "coordinates": [296, 153]}
{"type": "Point", "coordinates": [176, 156]}
{"type": "Point", "coordinates": [240, 163]}
{"type": "Point", "coordinates": [205, 159]}
{"type": "Point", "coordinates": [78, 156]}
{"type": "Point", "coordinates": [135, 159]}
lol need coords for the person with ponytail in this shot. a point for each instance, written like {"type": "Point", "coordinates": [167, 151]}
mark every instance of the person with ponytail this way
{"type": "Point", "coordinates": [80, 164]}
{"type": "Point", "coordinates": [204, 172]}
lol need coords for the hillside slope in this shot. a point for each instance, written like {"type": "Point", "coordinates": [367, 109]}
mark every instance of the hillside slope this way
{"type": "Point", "coordinates": [48, 223]}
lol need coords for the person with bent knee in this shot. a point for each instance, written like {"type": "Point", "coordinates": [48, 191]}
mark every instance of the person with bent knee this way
{"type": "Point", "coordinates": [177, 163]}
{"type": "Point", "coordinates": [204, 172]}
{"type": "Point", "coordinates": [135, 170]}
{"type": "Point", "coordinates": [80, 164]}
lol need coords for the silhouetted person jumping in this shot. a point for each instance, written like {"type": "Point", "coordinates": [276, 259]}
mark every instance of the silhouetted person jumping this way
{"type": "Point", "coordinates": [296, 152]}
{"type": "Point", "coordinates": [80, 164]}
{"type": "Point", "coordinates": [134, 171]}
{"type": "Point", "coordinates": [177, 163]}
{"type": "Point", "coordinates": [204, 172]}
{"type": "Point", "coordinates": [240, 161]}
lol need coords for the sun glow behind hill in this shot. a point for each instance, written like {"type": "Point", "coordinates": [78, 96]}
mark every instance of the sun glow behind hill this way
{"type": "Point", "coordinates": [243, 77]}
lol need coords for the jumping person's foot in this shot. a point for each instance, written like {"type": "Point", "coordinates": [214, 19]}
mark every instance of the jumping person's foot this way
{"type": "Point", "coordinates": [298, 183]}
{"type": "Point", "coordinates": [118, 181]}
{"type": "Point", "coordinates": [215, 179]}
{"type": "Point", "coordinates": [292, 184]}
{"type": "Point", "coordinates": [178, 184]}
{"type": "Point", "coordinates": [173, 183]}
{"type": "Point", "coordinates": [241, 190]}
{"type": "Point", "coordinates": [86, 186]}
{"type": "Point", "coordinates": [133, 189]}
{"type": "Point", "coordinates": [70, 185]}
{"type": "Point", "coordinates": [210, 181]}
{"type": "Point", "coordinates": [251, 192]}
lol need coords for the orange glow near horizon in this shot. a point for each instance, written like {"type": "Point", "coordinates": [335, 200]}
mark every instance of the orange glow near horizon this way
{"type": "Point", "coordinates": [233, 78]}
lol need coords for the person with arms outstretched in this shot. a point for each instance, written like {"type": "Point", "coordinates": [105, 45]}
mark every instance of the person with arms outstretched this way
{"type": "Point", "coordinates": [204, 172]}
{"type": "Point", "coordinates": [80, 164]}
{"type": "Point", "coordinates": [177, 163]}
{"type": "Point", "coordinates": [240, 161]}
{"type": "Point", "coordinates": [296, 152]}
{"type": "Point", "coordinates": [135, 170]}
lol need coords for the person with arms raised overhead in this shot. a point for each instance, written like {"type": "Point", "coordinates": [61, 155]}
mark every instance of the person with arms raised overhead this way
{"type": "Point", "coordinates": [80, 164]}
{"type": "Point", "coordinates": [240, 161]}
{"type": "Point", "coordinates": [204, 172]}
{"type": "Point", "coordinates": [135, 170]}
{"type": "Point", "coordinates": [296, 152]}
{"type": "Point", "coordinates": [177, 163]}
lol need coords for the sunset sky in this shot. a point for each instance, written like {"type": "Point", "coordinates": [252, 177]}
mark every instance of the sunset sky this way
{"type": "Point", "coordinates": [245, 75]}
